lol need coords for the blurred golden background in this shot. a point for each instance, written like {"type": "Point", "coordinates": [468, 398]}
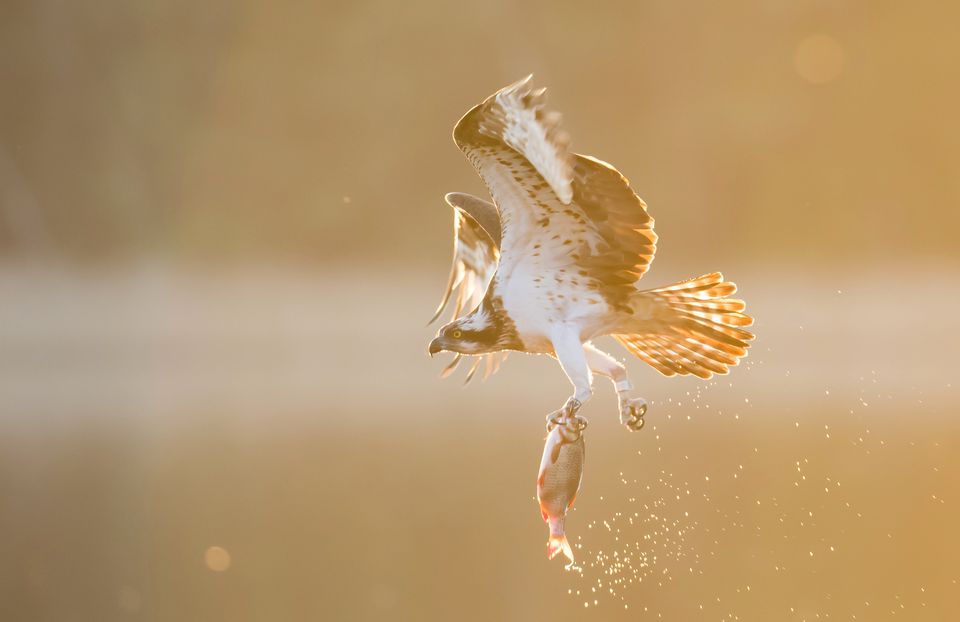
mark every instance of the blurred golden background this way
{"type": "Point", "coordinates": [222, 231]}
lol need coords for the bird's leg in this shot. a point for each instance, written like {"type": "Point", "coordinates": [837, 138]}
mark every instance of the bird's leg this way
{"type": "Point", "coordinates": [632, 409]}
{"type": "Point", "coordinates": [569, 350]}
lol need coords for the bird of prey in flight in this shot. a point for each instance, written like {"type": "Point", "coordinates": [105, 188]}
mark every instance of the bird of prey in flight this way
{"type": "Point", "coordinates": [554, 262]}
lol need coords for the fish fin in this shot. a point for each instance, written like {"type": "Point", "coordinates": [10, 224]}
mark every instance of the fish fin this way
{"type": "Point", "coordinates": [558, 544]}
{"type": "Point", "coordinates": [558, 540]}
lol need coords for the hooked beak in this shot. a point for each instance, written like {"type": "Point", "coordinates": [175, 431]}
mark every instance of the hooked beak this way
{"type": "Point", "coordinates": [435, 346]}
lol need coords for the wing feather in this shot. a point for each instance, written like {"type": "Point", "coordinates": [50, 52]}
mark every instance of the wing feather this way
{"type": "Point", "coordinates": [475, 254]}
{"type": "Point", "coordinates": [515, 116]}
{"type": "Point", "coordinates": [476, 240]}
{"type": "Point", "coordinates": [578, 211]}
{"type": "Point", "coordinates": [484, 212]}
{"type": "Point", "coordinates": [621, 220]}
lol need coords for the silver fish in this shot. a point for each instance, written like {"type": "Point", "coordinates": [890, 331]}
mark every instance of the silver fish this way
{"type": "Point", "coordinates": [561, 470]}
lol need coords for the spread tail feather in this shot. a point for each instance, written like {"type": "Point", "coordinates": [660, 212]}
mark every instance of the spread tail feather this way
{"type": "Point", "coordinates": [694, 328]}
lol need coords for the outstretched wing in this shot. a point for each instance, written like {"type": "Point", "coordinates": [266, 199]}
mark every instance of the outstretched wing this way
{"type": "Point", "coordinates": [476, 236]}
{"type": "Point", "coordinates": [475, 253]}
{"type": "Point", "coordinates": [515, 117]}
{"type": "Point", "coordinates": [483, 212]}
{"type": "Point", "coordinates": [620, 218]}
{"type": "Point", "coordinates": [570, 210]}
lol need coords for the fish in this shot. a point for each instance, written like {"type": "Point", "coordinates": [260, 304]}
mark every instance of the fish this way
{"type": "Point", "coordinates": [561, 471]}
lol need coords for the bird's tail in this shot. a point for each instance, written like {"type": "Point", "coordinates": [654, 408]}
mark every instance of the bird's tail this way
{"type": "Point", "coordinates": [692, 327]}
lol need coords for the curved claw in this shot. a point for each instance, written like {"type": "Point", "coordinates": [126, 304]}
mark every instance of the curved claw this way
{"type": "Point", "coordinates": [554, 419]}
{"type": "Point", "coordinates": [634, 425]}
{"type": "Point", "coordinates": [632, 412]}
{"type": "Point", "coordinates": [570, 429]}
{"type": "Point", "coordinates": [567, 417]}
{"type": "Point", "coordinates": [573, 428]}
{"type": "Point", "coordinates": [572, 406]}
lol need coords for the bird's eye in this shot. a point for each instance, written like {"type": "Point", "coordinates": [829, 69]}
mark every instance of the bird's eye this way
{"type": "Point", "coordinates": [457, 334]}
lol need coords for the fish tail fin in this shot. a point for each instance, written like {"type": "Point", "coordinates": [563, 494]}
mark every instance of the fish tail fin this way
{"type": "Point", "coordinates": [558, 544]}
{"type": "Point", "coordinates": [558, 541]}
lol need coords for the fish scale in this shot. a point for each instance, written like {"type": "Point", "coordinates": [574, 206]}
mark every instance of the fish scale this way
{"type": "Point", "coordinates": [562, 480]}
{"type": "Point", "coordinates": [561, 471]}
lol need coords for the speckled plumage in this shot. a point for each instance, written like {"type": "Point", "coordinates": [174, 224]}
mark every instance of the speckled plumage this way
{"type": "Point", "coordinates": [561, 265]}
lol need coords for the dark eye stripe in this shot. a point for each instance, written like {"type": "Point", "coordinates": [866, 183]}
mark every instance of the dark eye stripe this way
{"type": "Point", "coordinates": [487, 335]}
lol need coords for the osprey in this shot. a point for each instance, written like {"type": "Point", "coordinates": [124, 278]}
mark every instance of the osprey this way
{"type": "Point", "coordinates": [554, 261]}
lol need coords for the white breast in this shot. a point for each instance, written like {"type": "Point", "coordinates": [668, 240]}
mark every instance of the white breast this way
{"type": "Point", "coordinates": [538, 297]}
{"type": "Point", "coordinates": [538, 279]}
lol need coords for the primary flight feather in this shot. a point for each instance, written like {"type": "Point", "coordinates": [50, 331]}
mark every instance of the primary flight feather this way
{"type": "Point", "coordinates": [554, 262]}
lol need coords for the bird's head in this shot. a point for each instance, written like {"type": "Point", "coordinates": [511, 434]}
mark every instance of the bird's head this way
{"type": "Point", "coordinates": [475, 333]}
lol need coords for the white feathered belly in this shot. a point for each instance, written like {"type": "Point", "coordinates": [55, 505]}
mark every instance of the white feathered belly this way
{"type": "Point", "coordinates": [538, 302]}
{"type": "Point", "coordinates": [538, 279]}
